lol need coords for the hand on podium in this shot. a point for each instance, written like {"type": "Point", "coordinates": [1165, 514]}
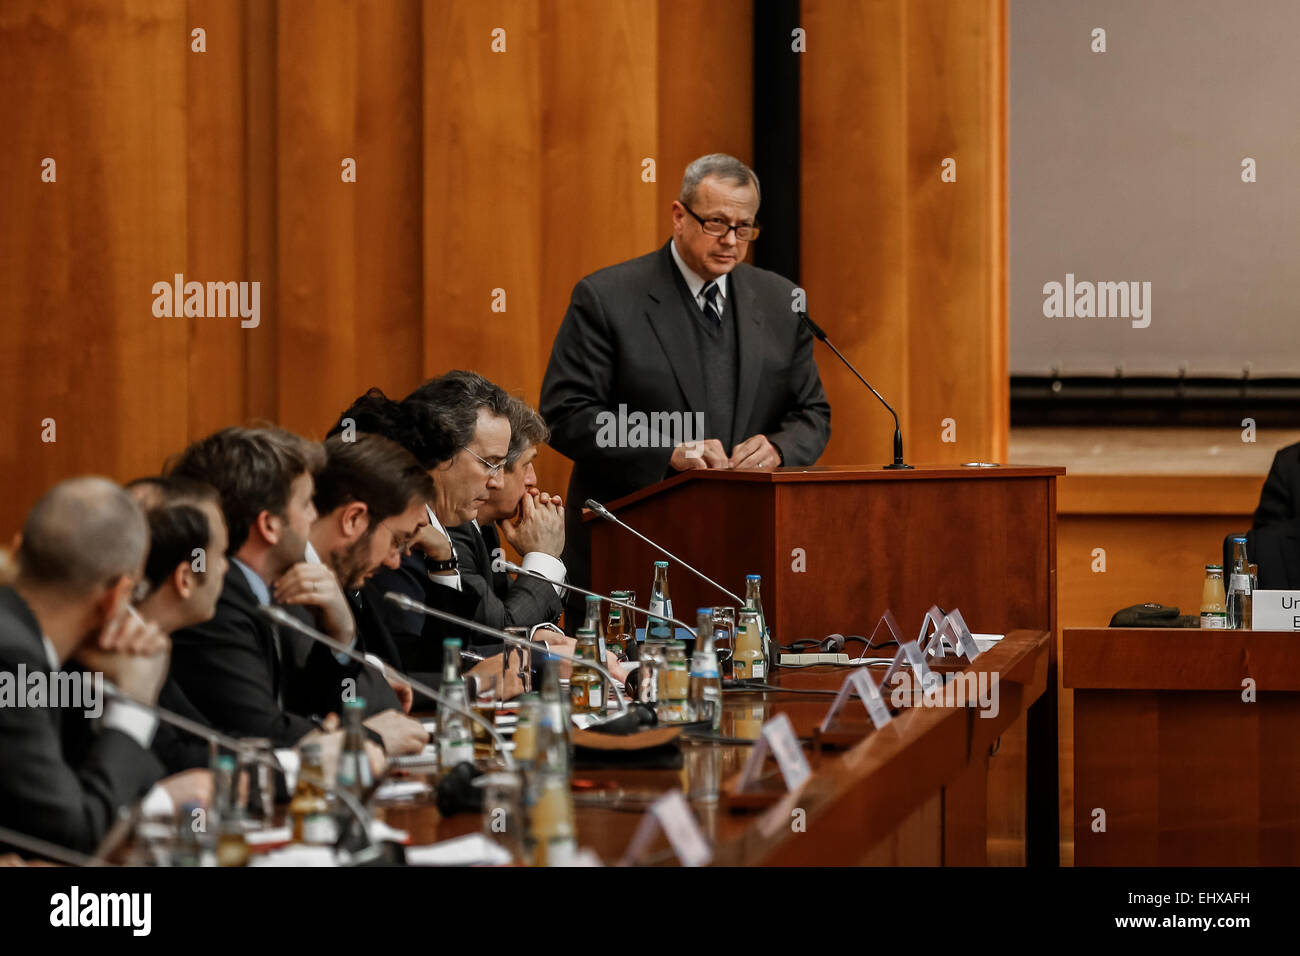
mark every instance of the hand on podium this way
{"type": "Point", "coordinates": [755, 453]}
{"type": "Point", "coordinates": [699, 454]}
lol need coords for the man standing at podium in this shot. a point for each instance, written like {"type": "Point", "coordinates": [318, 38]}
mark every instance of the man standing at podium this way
{"type": "Point", "coordinates": [683, 358]}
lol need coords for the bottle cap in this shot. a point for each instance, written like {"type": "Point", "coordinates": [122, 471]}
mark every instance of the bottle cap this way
{"type": "Point", "coordinates": [452, 642]}
{"type": "Point", "coordinates": [1214, 567]}
{"type": "Point", "coordinates": [356, 703]}
{"type": "Point", "coordinates": [593, 597]}
{"type": "Point", "coordinates": [752, 577]}
{"type": "Point", "coordinates": [661, 564]}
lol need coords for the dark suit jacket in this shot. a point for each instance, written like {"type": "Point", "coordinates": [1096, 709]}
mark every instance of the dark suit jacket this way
{"type": "Point", "coordinates": [417, 637]}
{"type": "Point", "coordinates": [502, 603]}
{"type": "Point", "coordinates": [231, 672]}
{"type": "Point", "coordinates": [1276, 549]}
{"type": "Point", "coordinates": [1280, 498]}
{"type": "Point", "coordinates": [179, 750]}
{"type": "Point", "coordinates": [43, 793]}
{"type": "Point", "coordinates": [626, 340]}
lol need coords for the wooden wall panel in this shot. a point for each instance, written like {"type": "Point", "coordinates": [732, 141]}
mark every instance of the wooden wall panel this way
{"type": "Point", "coordinates": [854, 207]}
{"type": "Point", "coordinates": [483, 177]}
{"type": "Point", "coordinates": [347, 303]}
{"type": "Point", "coordinates": [905, 272]}
{"type": "Point", "coordinates": [101, 90]}
{"type": "Point", "coordinates": [706, 92]}
{"type": "Point", "coordinates": [955, 86]}
{"type": "Point", "coordinates": [217, 187]}
{"type": "Point", "coordinates": [261, 350]}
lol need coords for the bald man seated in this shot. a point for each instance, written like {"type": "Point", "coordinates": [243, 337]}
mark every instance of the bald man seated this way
{"type": "Point", "coordinates": [70, 757]}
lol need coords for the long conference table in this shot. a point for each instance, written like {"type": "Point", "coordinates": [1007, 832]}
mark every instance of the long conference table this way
{"type": "Point", "coordinates": [931, 788]}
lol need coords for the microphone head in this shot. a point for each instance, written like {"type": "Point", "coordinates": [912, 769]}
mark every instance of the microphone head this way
{"type": "Point", "coordinates": [600, 509]}
{"type": "Point", "coordinates": [277, 614]}
{"type": "Point", "coordinates": [813, 327]}
{"type": "Point", "coordinates": [401, 600]}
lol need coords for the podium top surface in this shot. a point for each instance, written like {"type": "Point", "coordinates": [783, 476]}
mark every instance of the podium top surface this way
{"type": "Point", "coordinates": [828, 473]}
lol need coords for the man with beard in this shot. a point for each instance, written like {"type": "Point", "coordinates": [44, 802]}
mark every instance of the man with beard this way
{"type": "Point", "coordinates": [370, 503]}
{"type": "Point", "coordinates": [239, 669]}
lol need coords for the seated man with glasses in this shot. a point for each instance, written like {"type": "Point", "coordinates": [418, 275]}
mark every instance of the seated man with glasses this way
{"type": "Point", "coordinates": [692, 331]}
{"type": "Point", "coordinates": [460, 423]}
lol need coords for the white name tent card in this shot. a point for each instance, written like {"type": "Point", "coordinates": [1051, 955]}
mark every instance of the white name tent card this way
{"type": "Point", "coordinates": [860, 681]}
{"type": "Point", "coordinates": [966, 645]}
{"type": "Point", "coordinates": [933, 641]}
{"type": "Point", "coordinates": [891, 623]}
{"type": "Point", "coordinates": [671, 814]}
{"type": "Point", "coordinates": [779, 737]}
{"type": "Point", "coordinates": [920, 666]}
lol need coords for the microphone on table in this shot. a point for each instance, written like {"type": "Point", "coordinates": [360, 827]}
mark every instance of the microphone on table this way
{"type": "Point", "coordinates": [409, 604]}
{"type": "Point", "coordinates": [48, 851]}
{"type": "Point", "coordinates": [820, 335]}
{"type": "Point", "coordinates": [608, 515]}
{"type": "Point", "coordinates": [516, 569]}
{"type": "Point", "coordinates": [288, 620]}
{"type": "Point", "coordinates": [193, 727]}
{"type": "Point", "coordinates": [353, 805]}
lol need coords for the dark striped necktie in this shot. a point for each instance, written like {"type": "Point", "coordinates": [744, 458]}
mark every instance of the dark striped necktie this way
{"type": "Point", "coordinates": [712, 310]}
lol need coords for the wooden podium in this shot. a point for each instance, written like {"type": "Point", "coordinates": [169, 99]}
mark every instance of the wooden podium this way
{"type": "Point", "coordinates": [1187, 770]}
{"type": "Point", "coordinates": [837, 546]}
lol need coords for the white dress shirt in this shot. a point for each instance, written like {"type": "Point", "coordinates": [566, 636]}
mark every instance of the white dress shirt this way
{"type": "Point", "coordinates": [446, 580]}
{"type": "Point", "coordinates": [697, 283]}
{"type": "Point", "coordinates": [547, 565]}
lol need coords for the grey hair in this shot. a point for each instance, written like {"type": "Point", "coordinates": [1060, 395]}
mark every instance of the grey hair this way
{"type": "Point", "coordinates": [727, 168]}
{"type": "Point", "coordinates": [527, 427]}
{"type": "Point", "coordinates": [83, 534]}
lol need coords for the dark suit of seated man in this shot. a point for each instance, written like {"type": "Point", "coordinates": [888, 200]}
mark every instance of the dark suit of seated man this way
{"type": "Point", "coordinates": [238, 668]}
{"type": "Point", "coordinates": [1279, 499]}
{"type": "Point", "coordinates": [533, 523]}
{"type": "Point", "coordinates": [82, 552]}
{"type": "Point", "coordinates": [183, 578]}
{"type": "Point", "coordinates": [460, 422]}
{"type": "Point", "coordinates": [1276, 549]}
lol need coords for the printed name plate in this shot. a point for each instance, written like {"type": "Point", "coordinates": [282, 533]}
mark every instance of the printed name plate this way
{"type": "Point", "coordinates": [1275, 611]}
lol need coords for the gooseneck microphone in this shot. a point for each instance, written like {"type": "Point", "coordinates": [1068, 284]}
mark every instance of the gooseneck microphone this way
{"type": "Point", "coordinates": [516, 569]}
{"type": "Point", "coordinates": [354, 806]}
{"type": "Point", "coordinates": [821, 336]}
{"type": "Point", "coordinates": [193, 727]}
{"type": "Point", "coordinates": [410, 604]}
{"type": "Point", "coordinates": [288, 620]}
{"type": "Point", "coordinates": [608, 515]}
{"type": "Point", "coordinates": [47, 850]}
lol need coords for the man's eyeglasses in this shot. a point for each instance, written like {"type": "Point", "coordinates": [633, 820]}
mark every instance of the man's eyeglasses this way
{"type": "Point", "coordinates": [401, 540]}
{"type": "Point", "coordinates": [492, 470]}
{"type": "Point", "coordinates": [720, 227]}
